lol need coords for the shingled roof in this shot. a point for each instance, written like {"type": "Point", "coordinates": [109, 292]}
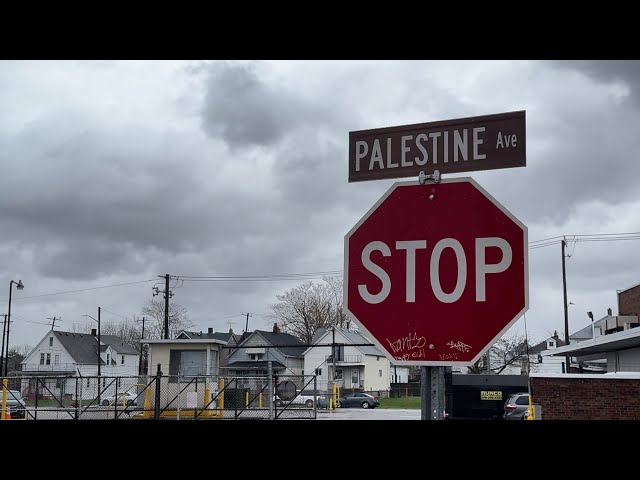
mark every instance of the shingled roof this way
{"type": "Point", "coordinates": [224, 336]}
{"type": "Point", "coordinates": [286, 343]}
{"type": "Point", "coordinates": [118, 345]}
{"type": "Point", "coordinates": [83, 346]}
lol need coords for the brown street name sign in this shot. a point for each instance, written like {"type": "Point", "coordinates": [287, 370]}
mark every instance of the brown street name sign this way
{"type": "Point", "coordinates": [461, 145]}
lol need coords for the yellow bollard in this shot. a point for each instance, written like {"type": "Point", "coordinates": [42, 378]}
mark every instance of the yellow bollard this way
{"type": "Point", "coordinates": [246, 399]}
{"type": "Point", "coordinates": [147, 403]}
{"type": "Point", "coordinates": [206, 405]}
{"type": "Point", "coordinates": [5, 388]}
{"type": "Point", "coordinates": [222, 394]}
{"type": "Point", "coordinates": [335, 395]}
{"type": "Point", "coordinates": [331, 404]}
{"type": "Point", "coordinates": [260, 400]}
{"type": "Point", "coordinates": [530, 416]}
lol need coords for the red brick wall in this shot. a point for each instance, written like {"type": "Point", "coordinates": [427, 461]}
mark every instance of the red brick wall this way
{"type": "Point", "coordinates": [629, 302]}
{"type": "Point", "coordinates": [570, 398]}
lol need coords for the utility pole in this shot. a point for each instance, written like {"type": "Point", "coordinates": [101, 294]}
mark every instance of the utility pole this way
{"type": "Point", "coordinates": [140, 363]}
{"type": "Point", "coordinates": [53, 321]}
{"type": "Point", "coordinates": [166, 306]}
{"type": "Point", "coordinates": [333, 354]}
{"type": "Point", "coordinates": [246, 327]}
{"type": "Point", "coordinates": [167, 294]}
{"type": "Point", "coordinates": [567, 358]}
{"type": "Point", "coordinates": [4, 331]}
{"type": "Point", "coordinates": [99, 343]}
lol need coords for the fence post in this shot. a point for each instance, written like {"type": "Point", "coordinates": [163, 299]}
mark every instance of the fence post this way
{"type": "Point", "coordinates": [157, 405]}
{"type": "Point", "coordinates": [270, 380]}
{"type": "Point", "coordinates": [77, 401]}
{"type": "Point", "coordinates": [35, 413]}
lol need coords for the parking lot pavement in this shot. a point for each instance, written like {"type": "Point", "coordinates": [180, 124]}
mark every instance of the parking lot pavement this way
{"type": "Point", "coordinates": [369, 414]}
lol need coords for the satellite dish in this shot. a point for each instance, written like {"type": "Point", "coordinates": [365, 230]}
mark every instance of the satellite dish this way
{"type": "Point", "coordinates": [286, 390]}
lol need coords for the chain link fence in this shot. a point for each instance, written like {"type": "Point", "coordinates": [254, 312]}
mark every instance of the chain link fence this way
{"type": "Point", "coordinates": [160, 396]}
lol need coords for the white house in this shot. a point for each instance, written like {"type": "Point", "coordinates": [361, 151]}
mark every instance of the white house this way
{"type": "Point", "coordinates": [60, 355]}
{"type": "Point", "coordinates": [356, 366]}
{"type": "Point", "coordinates": [398, 373]}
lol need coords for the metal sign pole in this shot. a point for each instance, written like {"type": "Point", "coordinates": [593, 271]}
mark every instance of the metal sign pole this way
{"type": "Point", "coordinates": [438, 393]}
{"type": "Point", "coordinates": [425, 386]}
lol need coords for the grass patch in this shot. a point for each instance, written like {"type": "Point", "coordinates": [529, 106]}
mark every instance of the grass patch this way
{"type": "Point", "coordinates": [403, 402]}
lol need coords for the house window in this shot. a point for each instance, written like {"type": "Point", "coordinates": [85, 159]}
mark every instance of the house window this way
{"type": "Point", "coordinates": [107, 359]}
{"type": "Point", "coordinates": [380, 373]}
{"type": "Point", "coordinates": [318, 371]}
{"type": "Point", "coordinates": [339, 353]}
{"type": "Point", "coordinates": [338, 375]}
{"type": "Point", "coordinates": [122, 359]}
{"type": "Point", "coordinates": [88, 383]}
{"type": "Point", "coordinates": [48, 359]}
{"type": "Point", "coordinates": [255, 356]}
{"type": "Point", "coordinates": [51, 341]}
{"type": "Point", "coordinates": [354, 376]}
{"type": "Point", "coordinates": [56, 359]}
{"type": "Point", "coordinates": [188, 363]}
{"type": "Point", "coordinates": [42, 359]}
{"type": "Point", "coordinates": [552, 344]}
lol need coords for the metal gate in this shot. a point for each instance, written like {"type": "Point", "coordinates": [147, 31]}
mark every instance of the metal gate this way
{"type": "Point", "coordinates": [162, 397]}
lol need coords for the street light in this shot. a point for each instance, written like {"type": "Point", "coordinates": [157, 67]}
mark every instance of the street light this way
{"type": "Point", "coordinates": [99, 343]}
{"type": "Point", "coordinates": [7, 325]}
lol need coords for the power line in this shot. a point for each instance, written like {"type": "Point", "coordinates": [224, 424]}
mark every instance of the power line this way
{"type": "Point", "coordinates": [117, 314]}
{"type": "Point", "coordinates": [83, 289]}
{"type": "Point", "coordinates": [275, 275]}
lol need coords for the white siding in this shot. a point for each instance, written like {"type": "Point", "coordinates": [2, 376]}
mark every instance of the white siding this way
{"type": "Point", "coordinates": [401, 372]}
{"type": "Point", "coordinates": [624, 361]}
{"type": "Point", "coordinates": [373, 380]}
{"type": "Point", "coordinates": [159, 353]}
{"type": "Point", "coordinates": [32, 360]}
{"type": "Point", "coordinates": [367, 365]}
{"type": "Point", "coordinates": [315, 359]}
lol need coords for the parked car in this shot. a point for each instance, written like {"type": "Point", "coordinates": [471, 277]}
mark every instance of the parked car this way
{"type": "Point", "coordinates": [358, 399]}
{"type": "Point", "coordinates": [305, 399]}
{"type": "Point", "coordinates": [123, 398]}
{"type": "Point", "coordinates": [516, 407]}
{"type": "Point", "coordinates": [15, 404]}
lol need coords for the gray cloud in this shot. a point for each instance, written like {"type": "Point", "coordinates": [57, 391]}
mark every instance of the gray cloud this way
{"type": "Point", "coordinates": [625, 71]}
{"type": "Point", "coordinates": [120, 172]}
{"type": "Point", "coordinates": [244, 110]}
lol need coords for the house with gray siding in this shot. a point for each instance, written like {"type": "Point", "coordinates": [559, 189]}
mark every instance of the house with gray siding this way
{"type": "Point", "coordinates": [251, 358]}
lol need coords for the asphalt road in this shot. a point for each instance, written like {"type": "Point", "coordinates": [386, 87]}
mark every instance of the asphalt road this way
{"type": "Point", "coordinates": [369, 414]}
{"type": "Point", "coordinates": [104, 413]}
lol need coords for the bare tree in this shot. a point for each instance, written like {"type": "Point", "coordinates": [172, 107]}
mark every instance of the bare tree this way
{"type": "Point", "coordinates": [126, 330]}
{"type": "Point", "coordinates": [508, 350]}
{"type": "Point", "coordinates": [304, 309]}
{"type": "Point", "coordinates": [336, 285]}
{"type": "Point", "coordinates": [154, 311]}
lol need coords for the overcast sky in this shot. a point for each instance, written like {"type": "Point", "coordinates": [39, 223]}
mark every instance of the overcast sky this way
{"type": "Point", "coordinates": [117, 172]}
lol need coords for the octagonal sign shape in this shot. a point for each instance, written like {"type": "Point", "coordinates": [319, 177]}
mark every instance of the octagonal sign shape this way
{"type": "Point", "coordinates": [436, 273]}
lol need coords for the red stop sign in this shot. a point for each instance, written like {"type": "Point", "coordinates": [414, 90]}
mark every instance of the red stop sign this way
{"type": "Point", "coordinates": [436, 273]}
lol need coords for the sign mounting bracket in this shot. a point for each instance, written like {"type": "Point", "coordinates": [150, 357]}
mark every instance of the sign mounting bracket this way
{"type": "Point", "coordinates": [422, 177]}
